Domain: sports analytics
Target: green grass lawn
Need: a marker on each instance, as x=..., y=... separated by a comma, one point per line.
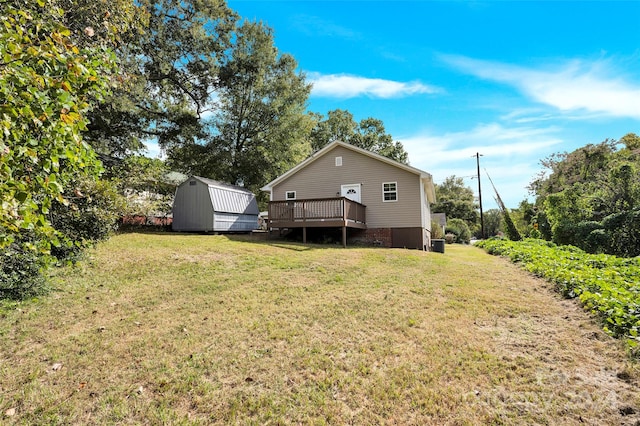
x=194, y=329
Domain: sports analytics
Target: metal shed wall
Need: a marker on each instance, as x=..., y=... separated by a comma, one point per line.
x=234, y=210
x=204, y=205
x=192, y=207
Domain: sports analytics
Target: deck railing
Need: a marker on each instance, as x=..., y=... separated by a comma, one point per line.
x=288, y=213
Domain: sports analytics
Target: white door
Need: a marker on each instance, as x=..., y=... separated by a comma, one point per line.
x=351, y=192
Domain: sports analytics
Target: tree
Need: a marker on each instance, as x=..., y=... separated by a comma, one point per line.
x=523, y=217
x=339, y=126
x=493, y=222
x=563, y=170
x=89, y=214
x=47, y=86
x=372, y=136
x=45, y=83
x=107, y=23
x=261, y=128
x=460, y=229
x=169, y=77
x=590, y=196
x=456, y=200
x=146, y=185
x=369, y=134
x=631, y=142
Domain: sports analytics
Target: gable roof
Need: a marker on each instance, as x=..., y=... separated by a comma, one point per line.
x=229, y=198
x=217, y=183
x=424, y=176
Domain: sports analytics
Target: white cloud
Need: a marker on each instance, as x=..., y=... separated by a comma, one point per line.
x=573, y=86
x=350, y=86
x=509, y=155
x=489, y=139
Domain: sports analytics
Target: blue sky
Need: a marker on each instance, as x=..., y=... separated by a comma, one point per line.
x=515, y=81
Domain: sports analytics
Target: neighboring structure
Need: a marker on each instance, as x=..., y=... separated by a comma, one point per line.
x=440, y=219
x=205, y=205
x=373, y=199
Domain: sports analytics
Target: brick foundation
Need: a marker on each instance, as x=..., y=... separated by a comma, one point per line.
x=373, y=236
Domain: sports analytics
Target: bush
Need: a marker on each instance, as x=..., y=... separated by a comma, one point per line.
x=22, y=272
x=460, y=229
x=623, y=231
x=436, y=230
x=90, y=216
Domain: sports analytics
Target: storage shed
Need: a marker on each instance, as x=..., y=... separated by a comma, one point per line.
x=205, y=205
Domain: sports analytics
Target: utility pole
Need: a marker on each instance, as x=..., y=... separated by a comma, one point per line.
x=480, y=195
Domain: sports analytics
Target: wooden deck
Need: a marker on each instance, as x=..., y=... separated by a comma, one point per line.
x=318, y=213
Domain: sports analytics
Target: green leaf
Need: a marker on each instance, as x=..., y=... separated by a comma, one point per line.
x=21, y=196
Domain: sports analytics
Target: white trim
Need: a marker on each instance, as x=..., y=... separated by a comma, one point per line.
x=359, y=185
x=389, y=192
x=286, y=195
x=424, y=205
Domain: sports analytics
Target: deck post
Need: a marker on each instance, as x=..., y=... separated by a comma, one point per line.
x=304, y=235
x=344, y=236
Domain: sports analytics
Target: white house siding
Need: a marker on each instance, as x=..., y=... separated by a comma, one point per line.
x=323, y=179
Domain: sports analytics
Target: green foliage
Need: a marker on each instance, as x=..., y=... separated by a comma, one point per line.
x=169, y=76
x=588, y=197
x=372, y=136
x=146, y=185
x=523, y=218
x=606, y=285
x=460, y=229
x=622, y=232
x=456, y=200
x=89, y=216
x=564, y=170
x=369, y=134
x=22, y=270
x=436, y=230
x=543, y=226
x=47, y=85
x=338, y=126
x=261, y=128
x=111, y=23
x=492, y=223
x=510, y=228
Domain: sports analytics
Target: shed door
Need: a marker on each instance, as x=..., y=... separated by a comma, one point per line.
x=351, y=191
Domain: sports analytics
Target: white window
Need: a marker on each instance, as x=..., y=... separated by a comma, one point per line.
x=338, y=161
x=290, y=195
x=389, y=191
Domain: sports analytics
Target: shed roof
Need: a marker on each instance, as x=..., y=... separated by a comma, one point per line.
x=230, y=198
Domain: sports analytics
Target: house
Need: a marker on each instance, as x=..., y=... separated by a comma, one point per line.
x=440, y=219
x=372, y=198
x=205, y=205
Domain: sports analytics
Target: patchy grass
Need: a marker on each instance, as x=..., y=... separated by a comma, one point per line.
x=189, y=329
